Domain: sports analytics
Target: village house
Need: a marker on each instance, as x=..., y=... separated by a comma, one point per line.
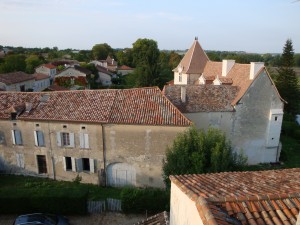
x=109, y=63
x=124, y=70
x=47, y=69
x=113, y=137
x=240, y=99
x=17, y=81
x=42, y=82
x=236, y=198
x=105, y=76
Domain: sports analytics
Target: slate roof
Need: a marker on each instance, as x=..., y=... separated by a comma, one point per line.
x=202, y=98
x=254, y=198
x=158, y=219
x=144, y=106
x=194, y=60
x=15, y=77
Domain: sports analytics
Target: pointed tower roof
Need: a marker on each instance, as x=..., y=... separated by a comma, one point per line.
x=194, y=60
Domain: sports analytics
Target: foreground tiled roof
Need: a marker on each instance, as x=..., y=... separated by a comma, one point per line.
x=15, y=77
x=260, y=197
x=194, y=60
x=158, y=219
x=145, y=106
x=202, y=98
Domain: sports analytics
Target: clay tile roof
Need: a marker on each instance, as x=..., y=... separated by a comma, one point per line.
x=124, y=67
x=194, y=60
x=15, y=77
x=133, y=106
x=55, y=87
x=49, y=66
x=158, y=219
x=256, y=197
x=40, y=76
x=213, y=98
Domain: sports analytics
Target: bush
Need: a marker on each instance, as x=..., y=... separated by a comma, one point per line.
x=60, y=201
x=152, y=200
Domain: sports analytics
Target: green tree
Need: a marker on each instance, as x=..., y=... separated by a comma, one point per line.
x=286, y=82
x=196, y=151
x=32, y=62
x=101, y=51
x=146, y=59
x=124, y=57
x=13, y=63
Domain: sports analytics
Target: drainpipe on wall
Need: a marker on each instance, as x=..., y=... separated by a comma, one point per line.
x=51, y=154
x=103, y=171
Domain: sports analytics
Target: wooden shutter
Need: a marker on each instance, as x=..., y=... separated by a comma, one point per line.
x=81, y=140
x=13, y=137
x=64, y=163
x=72, y=141
x=73, y=160
x=79, y=165
x=92, y=165
x=86, y=141
x=58, y=139
x=35, y=138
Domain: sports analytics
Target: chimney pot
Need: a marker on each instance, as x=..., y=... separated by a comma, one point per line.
x=227, y=66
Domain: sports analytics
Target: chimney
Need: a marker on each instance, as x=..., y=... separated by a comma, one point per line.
x=183, y=94
x=254, y=68
x=28, y=106
x=226, y=66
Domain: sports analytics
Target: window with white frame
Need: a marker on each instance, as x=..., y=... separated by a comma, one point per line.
x=84, y=140
x=69, y=164
x=86, y=165
x=39, y=138
x=65, y=139
x=16, y=137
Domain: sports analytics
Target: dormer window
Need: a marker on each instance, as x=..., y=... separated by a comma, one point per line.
x=13, y=116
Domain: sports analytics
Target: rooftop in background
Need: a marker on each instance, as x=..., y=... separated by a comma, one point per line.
x=15, y=77
x=256, y=197
x=40, y=76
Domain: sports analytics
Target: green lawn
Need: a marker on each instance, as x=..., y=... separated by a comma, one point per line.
x=22, y=182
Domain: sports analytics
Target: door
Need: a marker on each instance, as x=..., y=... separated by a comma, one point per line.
x=42, y=164
x=120, y=175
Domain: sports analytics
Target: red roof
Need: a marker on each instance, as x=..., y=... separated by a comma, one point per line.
x=256, y=197
x=40, y=76
x=49, y=66
x=124, y=67
x=144, y=106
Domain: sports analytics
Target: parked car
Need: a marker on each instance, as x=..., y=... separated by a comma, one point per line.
x=41, y=219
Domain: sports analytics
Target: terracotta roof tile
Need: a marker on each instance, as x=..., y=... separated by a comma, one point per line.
x=133, y=106
x=15, y=77
x=194, y=60
x=40, y=76
x=158, y=219
x=49, y=66
x=124, y=67
x=259, y=197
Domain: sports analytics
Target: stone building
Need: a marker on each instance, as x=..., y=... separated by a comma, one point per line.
x=240, y=99
x=118, y=137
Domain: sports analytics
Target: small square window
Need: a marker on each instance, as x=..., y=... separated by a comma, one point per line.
x=37, y=125
x=83, y=128
x=15, y=124
x=276, y=118
x=64, y=126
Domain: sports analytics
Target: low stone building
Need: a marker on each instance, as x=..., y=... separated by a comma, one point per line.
x=118, y=137
x=17, y=81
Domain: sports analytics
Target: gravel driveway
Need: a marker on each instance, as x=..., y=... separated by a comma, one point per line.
x=107, y=218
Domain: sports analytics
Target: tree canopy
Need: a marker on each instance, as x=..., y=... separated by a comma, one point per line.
x=286, y=81
x=197, y=151
x=101, y=51
x=13, y=63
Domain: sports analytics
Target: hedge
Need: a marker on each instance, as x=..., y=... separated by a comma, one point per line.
x=60, y=201
x=152, y=200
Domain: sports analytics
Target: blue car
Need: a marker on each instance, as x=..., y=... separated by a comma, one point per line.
x=41, y=219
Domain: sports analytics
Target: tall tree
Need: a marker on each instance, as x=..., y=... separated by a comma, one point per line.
x=13, y=63
x=286, y=82
x=146, y=59
x=196, y=151
x=32, y=61
x=101, y=51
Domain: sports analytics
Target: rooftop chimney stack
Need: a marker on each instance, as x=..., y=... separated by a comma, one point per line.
x=254, y=68
x=28, y=106
x=227, y=66
x=183, y=94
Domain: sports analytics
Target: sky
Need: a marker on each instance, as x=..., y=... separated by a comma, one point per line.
x=256, y=26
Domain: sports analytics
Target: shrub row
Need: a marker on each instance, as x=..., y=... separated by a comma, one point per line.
x=152, y=200
x=60, y=201
x=291, y=129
